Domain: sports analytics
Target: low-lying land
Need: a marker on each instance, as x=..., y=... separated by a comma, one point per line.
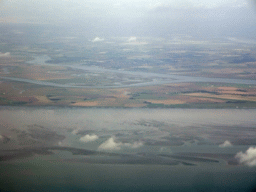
x=149, y=72
x=188, y=95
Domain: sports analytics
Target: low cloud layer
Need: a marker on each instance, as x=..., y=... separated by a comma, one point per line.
x=111, y=144
x=89, y=138
x=226, y=144
x=247, y=158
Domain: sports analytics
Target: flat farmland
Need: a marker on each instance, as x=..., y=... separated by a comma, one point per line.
x=184, y=94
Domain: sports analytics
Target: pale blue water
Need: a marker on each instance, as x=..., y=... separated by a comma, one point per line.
x=54, y=173
x=158, y=78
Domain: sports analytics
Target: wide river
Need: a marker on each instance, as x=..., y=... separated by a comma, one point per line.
x=156, y=77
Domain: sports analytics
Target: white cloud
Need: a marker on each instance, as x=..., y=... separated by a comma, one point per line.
x=111, y=144
x=226, y=144
x=88, y=138
x=97, y=39
x=135, y=145
x=247, y=158
x=7, y=54
x=132, y=39
x=74, y=132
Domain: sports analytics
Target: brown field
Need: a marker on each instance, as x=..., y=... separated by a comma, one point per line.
x=115, y=102
x=170, y=94
x=7, y=61
x=240, y=70
x=120, y=93
x=30, y=99
x=227, y=88
x=18, y=68
x=39, y=73
x=43, y=99
x=224, y=96
x=235, y=91
x=189, y=99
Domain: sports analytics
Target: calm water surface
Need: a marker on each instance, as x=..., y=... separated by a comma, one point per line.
x=51, y=173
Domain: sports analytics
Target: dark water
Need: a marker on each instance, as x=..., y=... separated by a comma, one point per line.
x=38, y=175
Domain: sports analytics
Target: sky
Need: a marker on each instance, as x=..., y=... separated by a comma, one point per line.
x=48, y=11
x=154, y=17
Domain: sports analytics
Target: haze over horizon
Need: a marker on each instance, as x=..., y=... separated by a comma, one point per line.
x=159, y=18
